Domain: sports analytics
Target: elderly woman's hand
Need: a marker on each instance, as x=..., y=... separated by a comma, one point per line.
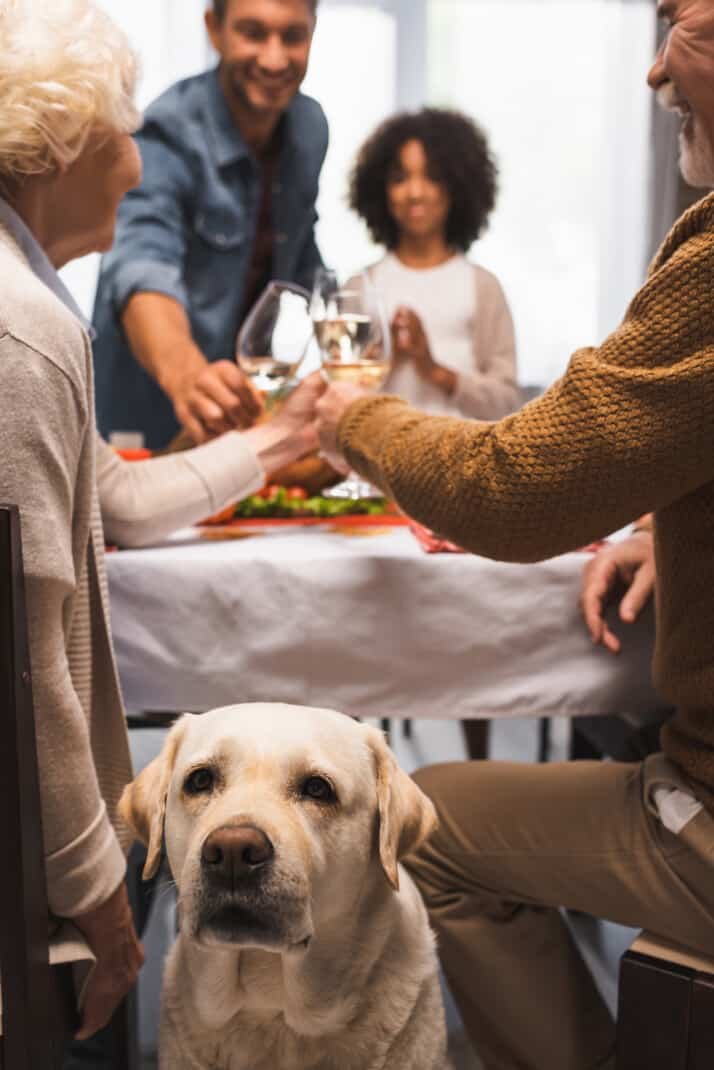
x=291, y=432
x=109, y=931
x=298, y=411
x=330, y=409
x=630, y=563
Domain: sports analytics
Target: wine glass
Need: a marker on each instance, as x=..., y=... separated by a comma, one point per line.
x=274, y=338
x=354, y=339
x=351, y=331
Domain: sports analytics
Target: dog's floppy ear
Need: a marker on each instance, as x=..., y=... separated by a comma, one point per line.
x=406, y=816
x=142, y=805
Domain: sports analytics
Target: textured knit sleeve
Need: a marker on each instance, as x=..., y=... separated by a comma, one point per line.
x=143, y=501
x=628, y=429
x=42, y=435
x=490, y=390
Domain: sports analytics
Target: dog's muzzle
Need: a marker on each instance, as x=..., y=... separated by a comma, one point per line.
x=243, y=899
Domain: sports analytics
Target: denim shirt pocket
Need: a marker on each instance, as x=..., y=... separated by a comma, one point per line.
x=218, y=259
x=223, y=229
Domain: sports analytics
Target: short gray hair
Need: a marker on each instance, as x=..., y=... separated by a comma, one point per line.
x=66, y=71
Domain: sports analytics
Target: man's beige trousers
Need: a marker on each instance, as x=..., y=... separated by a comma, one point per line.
x=515, y=843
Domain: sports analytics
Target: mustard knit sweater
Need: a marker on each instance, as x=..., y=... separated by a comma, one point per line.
x=628, y=429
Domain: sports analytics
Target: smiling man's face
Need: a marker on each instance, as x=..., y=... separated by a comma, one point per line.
x=264, y=47
x=683, y=76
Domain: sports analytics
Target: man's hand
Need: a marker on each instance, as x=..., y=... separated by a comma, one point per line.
x=630, y=562
x=219, y=398
x=109, y=931
x=330, y=409
x=410, y=343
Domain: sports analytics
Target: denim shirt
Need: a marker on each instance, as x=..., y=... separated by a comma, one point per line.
x=187, y=232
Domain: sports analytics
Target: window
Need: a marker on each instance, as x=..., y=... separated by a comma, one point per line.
x=560, y=89
x=356, y=86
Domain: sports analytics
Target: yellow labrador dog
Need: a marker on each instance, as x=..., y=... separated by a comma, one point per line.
x=303, y=944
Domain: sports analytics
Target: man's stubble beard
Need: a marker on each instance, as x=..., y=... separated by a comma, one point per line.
x=242, y=98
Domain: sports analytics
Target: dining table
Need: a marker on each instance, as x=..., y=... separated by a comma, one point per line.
x=366, y=622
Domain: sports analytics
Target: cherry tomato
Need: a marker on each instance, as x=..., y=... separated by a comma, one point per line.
x=222, y=516
x=297, y=494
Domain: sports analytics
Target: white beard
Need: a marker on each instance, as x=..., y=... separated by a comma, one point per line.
x=696, y=160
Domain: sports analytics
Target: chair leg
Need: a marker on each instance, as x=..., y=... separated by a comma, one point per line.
x=701, y=1024
x=407, y=728
x=386, y=725
x=476, y=735
x=544, y=733
x=125, y=1028
x=581, y=749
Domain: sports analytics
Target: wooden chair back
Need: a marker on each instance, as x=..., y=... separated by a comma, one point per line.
x=37, y=1002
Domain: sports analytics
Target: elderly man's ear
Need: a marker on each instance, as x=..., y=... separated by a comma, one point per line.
x=406, y=816
x=142, y=805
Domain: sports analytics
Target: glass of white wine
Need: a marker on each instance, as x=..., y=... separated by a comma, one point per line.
x=355, y=346
x=351, y=332
x=274, y=338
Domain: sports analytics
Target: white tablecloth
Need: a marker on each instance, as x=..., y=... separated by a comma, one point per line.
x=370, y=625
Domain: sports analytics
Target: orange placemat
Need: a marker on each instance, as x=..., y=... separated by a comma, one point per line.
x=256, y=525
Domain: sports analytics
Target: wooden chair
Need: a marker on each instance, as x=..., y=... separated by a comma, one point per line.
x=37, y=1001
x=666, y=1008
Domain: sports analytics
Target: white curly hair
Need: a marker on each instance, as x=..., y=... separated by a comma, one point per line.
x=66, y=71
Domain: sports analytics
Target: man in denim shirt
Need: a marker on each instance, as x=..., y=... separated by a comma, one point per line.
x=232, y=160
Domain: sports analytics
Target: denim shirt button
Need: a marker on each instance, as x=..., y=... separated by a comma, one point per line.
x=221, y=239
x=281, y=238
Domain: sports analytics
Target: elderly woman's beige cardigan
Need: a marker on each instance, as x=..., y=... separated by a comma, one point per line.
x=50, y=461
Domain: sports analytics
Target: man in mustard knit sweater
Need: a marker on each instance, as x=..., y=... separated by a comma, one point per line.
x=628, y=429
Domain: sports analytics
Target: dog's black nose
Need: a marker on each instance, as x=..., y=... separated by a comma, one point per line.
x=232, y=853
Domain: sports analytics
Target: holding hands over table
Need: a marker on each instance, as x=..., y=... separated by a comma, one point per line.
x=629, y=563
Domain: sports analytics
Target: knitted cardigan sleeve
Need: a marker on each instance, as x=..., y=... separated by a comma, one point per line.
x=42, y=435
x=628, y=429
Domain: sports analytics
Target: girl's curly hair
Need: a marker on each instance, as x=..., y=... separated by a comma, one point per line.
x=459, y=158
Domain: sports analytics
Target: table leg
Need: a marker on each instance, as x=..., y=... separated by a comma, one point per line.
x=476, y=738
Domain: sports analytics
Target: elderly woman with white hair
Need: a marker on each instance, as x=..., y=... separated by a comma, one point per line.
x=66, y=159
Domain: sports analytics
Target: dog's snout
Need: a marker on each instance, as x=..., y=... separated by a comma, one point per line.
x=235, y=852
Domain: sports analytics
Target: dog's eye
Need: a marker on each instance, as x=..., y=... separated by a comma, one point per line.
x=319, y=789
x=199, y=782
